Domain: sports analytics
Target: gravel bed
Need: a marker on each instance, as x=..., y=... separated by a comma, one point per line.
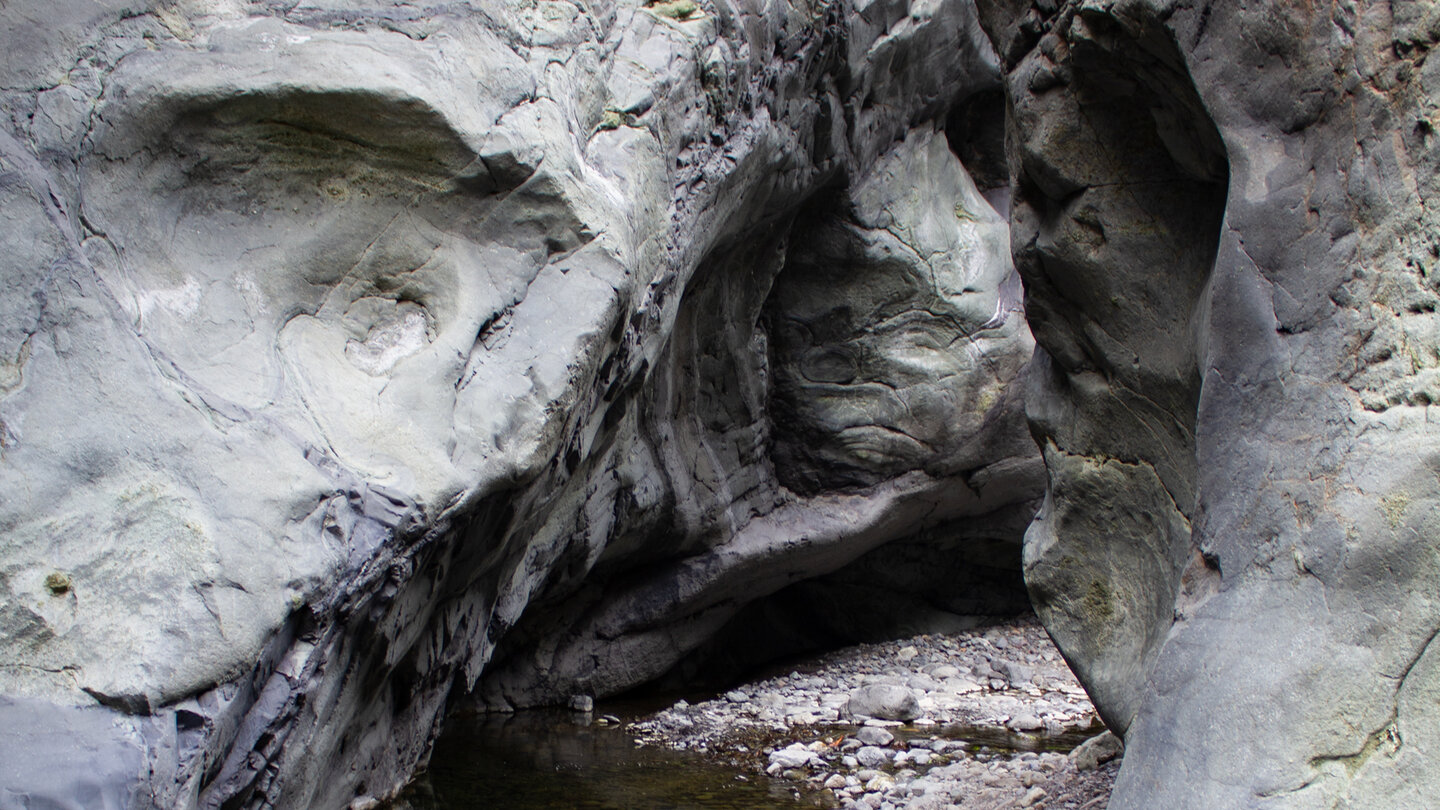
x=989, y=718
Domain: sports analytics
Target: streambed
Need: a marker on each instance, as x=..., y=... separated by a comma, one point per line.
x=562, y=760
x=997, y=714
x=557, y=759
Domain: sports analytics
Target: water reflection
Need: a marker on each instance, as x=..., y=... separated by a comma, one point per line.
x=1004, y=741
x=557, y=759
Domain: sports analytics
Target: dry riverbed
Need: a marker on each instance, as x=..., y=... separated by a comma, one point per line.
x=987, y=719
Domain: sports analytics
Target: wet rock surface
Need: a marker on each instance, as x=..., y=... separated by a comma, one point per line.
x=998, y=718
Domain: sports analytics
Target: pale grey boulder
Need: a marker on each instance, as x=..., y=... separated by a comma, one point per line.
x=883, y=701
x=1222, y=215
x=348, y=348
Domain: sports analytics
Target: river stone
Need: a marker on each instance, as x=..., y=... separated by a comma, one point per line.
x=793, y=756
x=1015, y=674
x=1096, y=751
x=883, y=701
x=922, y=682
x=1032, y=797
x=871, y=735
x=872, y=757
x=1025, y=722
x=882, y=782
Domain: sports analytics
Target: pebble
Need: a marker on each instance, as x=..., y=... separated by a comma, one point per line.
x=871, y=735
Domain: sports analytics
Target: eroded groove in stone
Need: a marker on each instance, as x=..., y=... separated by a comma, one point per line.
x=359, y=361
x=1120, y=189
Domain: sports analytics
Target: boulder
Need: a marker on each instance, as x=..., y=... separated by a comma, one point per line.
x=883, y=701
x=1096, y=751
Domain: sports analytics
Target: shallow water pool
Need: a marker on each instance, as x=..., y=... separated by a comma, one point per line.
x=549, y=760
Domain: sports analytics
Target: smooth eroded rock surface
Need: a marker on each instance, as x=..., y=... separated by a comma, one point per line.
x=1222, y=219
x=358, y=360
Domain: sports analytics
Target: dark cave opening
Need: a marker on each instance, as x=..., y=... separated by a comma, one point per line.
x=940, y=581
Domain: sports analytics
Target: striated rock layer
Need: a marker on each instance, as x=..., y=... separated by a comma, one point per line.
x=358, y=358
x=1222, y=219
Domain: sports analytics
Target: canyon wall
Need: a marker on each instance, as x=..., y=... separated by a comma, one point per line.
x=1222, y=223
x=358, y=360
x=361, y=360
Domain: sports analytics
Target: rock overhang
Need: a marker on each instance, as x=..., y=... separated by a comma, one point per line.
x=457, y=400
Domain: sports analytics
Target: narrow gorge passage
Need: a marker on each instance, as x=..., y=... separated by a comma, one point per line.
x=364, y=364
x=980, y=717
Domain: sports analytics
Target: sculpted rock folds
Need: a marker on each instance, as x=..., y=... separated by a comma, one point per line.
x=358, y=360
x=355, y=361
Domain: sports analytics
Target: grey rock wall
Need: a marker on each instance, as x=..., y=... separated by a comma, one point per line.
x=1222, y=218
x=357, y=359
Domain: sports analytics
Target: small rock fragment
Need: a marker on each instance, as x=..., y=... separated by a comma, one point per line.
x=1034, y=795
x=1097, y=750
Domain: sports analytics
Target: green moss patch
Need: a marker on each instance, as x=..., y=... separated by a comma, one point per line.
x=675, y=9
x=58, y=583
